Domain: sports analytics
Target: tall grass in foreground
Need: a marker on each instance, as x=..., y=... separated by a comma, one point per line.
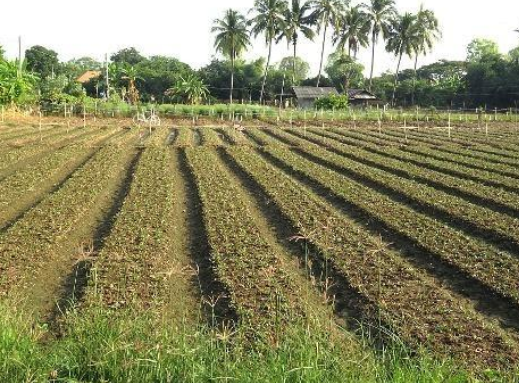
x=103, y=346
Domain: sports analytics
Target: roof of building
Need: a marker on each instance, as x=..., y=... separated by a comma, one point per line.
x=311, y=92
x=88, y=75
x=360, y=94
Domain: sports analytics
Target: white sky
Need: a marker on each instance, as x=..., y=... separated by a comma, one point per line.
x=182, y=28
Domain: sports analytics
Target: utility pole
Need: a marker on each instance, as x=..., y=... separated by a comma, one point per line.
x=20, y=63
x=107, y=79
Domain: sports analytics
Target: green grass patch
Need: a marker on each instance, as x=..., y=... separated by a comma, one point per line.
x=106, y=346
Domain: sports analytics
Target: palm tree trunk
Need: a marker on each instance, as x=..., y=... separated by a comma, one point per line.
x=414, y=79
x=294, y=64
x=266, y=72
x=322, y=54
x=396, y=78
x=232, y=78
x=373, y=41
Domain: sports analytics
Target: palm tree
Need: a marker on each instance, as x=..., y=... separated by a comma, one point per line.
x=191, y=89
x=232, y=38
x=15, y=85
x=427, y=32
x=379, y=14
x=401, y=40
x=352, y=31
x=268, y=20
x=327, y=13
x=298, y=19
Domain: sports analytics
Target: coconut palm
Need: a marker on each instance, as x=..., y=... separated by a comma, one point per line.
x=327, y=12
x=232, y=39
x=298, y=19
x=352, y=30
x=427, y=32
x=268, y=21
x=379, y=14
x=401, y=40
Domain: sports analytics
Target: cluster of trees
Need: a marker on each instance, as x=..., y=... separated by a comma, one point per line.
x=486, y=77
x=352, y=27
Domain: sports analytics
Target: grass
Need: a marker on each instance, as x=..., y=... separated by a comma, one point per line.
x=107, y=346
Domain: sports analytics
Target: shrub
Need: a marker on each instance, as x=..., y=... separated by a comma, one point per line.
x=332, y=102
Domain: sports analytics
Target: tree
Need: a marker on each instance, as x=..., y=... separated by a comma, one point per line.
x=268, y=20
x=130, y=74
x=2, y=53
x=301, y=67
x=129, y=56
x=42, y=61
x=327, y=12
x=401, y=40
x=480, y=49
x=344, y=71
x=16, y=87
x=427, y=32
x=191, y=89
x=232, y=39
x=298, y=19
x=379, y=14
x=352, y=31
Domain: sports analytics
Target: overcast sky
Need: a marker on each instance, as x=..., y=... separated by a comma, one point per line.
x=182, y=28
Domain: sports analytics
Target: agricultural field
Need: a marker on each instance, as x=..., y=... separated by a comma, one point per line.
x=313, y=251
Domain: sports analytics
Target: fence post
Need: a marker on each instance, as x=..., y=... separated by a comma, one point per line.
x=40, y=126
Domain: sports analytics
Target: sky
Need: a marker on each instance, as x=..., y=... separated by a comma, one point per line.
x=182, y=29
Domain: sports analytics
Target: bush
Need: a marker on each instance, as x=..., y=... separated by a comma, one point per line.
x=332, y=102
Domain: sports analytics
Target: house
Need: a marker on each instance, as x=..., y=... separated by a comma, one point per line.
x=306, y=95
x=88, y=76
x=361, y=97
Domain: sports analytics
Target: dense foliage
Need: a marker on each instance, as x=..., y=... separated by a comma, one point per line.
x=487, y=78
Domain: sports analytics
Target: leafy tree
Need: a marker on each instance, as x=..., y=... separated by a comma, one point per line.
x=401, y=40
x=298, y=19
x=232, y=39
x=352, y=31
x=481, y=49
x=2, y=53
x=379, y=14
x=328, y=13
x=344, y=71
x=268, y=21
x=129, y=56
x=514, y=55
x=247, y=78
x=302, y=68
x=42, y=61
x=160, y=73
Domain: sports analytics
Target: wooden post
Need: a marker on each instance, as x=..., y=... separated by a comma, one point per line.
x=495, y=114
x=84, y=116
x=379, y=127
x=68, y=125
x=486, y=130
x=41, y=137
